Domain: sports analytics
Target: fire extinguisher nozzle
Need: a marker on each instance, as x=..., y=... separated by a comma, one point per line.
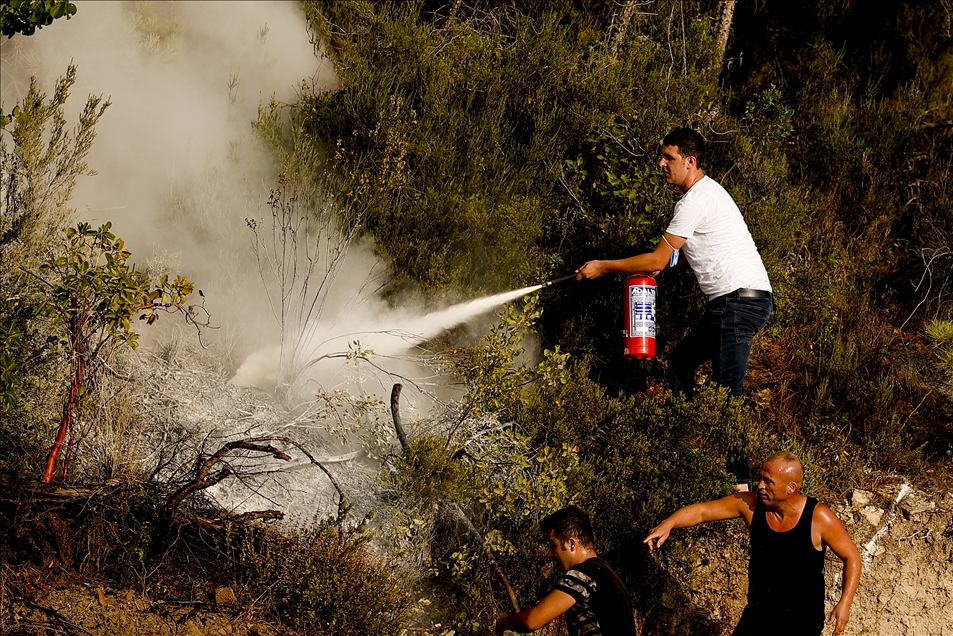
x=550, y=283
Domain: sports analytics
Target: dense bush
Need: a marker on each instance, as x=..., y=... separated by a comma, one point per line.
x=477, y=483
x=479, y=115
x=525, y=142
x=516, y=143
x=325, y=579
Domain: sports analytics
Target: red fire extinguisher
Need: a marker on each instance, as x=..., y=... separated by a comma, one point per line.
x=639, y=335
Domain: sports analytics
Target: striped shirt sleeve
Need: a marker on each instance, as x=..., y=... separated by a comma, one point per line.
x=577, y=585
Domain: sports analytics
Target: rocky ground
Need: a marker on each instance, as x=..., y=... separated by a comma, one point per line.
x=906, y=539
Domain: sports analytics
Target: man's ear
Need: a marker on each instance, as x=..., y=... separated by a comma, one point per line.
x=572, y=544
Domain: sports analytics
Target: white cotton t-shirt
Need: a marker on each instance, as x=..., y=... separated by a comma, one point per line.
x=718, y=245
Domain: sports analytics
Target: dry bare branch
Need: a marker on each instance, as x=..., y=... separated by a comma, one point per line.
x=268, y=515
x=203, y=480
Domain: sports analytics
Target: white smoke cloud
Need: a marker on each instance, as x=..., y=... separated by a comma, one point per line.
x=178, y=164
x=179, y=170
x=179, y=167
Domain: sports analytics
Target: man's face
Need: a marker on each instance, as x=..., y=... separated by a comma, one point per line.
x=559, y=551
x=674, y=165
x=774, y=485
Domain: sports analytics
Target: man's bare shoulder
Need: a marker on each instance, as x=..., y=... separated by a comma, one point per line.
x=745, y=499
x=826, y=517
x=743, y=503
x=827, y=528
x=737, y=500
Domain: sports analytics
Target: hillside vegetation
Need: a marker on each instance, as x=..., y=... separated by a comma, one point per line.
x=483, y=146
x=513, y=146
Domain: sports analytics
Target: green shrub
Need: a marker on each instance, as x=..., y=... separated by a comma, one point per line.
x=326, y=579
x=40, y=162
x=429, y=473
x=534, y=439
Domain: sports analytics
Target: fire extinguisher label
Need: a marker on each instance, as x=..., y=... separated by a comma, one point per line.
x=642, y=311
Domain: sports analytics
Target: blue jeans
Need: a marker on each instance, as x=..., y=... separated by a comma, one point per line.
x=723, y=336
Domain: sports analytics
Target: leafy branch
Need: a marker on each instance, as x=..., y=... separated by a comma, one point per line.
x=91, y=295
x=26, y=16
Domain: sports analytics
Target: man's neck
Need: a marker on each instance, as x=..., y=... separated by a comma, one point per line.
x=792, y=507
x=583, y=555
x=694, y=178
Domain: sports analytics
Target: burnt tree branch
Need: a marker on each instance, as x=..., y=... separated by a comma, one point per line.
x=395, y=413
x=203, y=480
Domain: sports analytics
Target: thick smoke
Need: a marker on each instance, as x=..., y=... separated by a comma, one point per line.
x=180, y=169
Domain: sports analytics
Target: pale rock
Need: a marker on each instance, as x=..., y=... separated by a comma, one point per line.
x=892, y=491
x=873, y=515
x=192, y=629
x=860, y=498
x=916, y=502
x=225, y=596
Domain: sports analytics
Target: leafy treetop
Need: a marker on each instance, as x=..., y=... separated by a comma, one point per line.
x=26, y=16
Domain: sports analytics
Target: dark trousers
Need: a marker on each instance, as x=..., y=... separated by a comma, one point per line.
x=723, y=336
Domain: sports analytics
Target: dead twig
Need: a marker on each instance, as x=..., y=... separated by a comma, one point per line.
x=259, y=515
x=203, y=480
x=342, y=506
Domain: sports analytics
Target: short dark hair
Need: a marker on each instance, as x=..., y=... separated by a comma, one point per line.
x=569, y=522
x=690, y=143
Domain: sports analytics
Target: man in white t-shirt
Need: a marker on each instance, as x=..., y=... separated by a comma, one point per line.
x=708, y=232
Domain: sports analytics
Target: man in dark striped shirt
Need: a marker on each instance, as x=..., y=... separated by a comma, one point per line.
x=589, y=592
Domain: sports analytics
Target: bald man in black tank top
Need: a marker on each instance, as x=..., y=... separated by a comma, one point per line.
x=789, y=536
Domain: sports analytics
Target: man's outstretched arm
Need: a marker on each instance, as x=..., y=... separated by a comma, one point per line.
x=648, y=263
x=835, y=535
x=730, y=507
x=529, y=620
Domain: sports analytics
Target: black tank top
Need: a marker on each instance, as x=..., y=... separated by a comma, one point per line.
x=786, y=572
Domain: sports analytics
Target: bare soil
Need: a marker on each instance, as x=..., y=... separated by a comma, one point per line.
x=81, y=608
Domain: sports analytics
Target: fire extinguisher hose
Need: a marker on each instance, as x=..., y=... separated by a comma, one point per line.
x=550, y=283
